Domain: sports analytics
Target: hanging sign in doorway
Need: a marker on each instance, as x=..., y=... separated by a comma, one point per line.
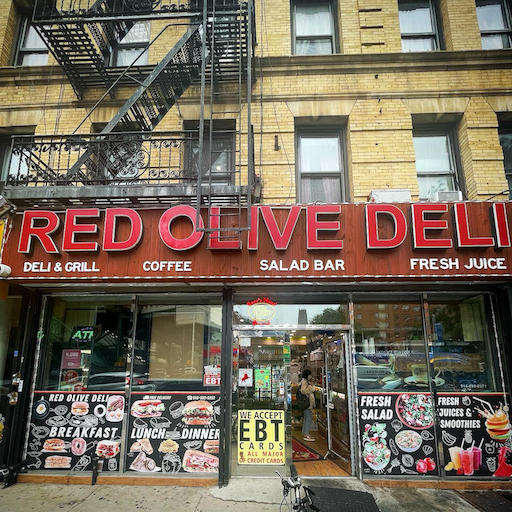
x=261, y=437
x=211, y=375
x=245, y=377
x=262, y=378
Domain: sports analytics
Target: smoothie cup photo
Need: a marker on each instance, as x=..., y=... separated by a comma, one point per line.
x=455, y=456
x=466, y=459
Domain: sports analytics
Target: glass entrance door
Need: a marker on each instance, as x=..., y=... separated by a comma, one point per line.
x=261, y=401
x=268, y=364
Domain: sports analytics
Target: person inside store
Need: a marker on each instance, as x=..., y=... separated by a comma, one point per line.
x=307, y=388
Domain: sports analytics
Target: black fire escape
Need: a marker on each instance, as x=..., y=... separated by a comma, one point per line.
x=126, y=162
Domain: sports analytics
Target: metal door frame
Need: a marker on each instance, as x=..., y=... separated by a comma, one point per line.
x=349, y=349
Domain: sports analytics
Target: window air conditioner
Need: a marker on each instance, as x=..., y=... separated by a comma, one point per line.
x=390, y=195
x=447, y=196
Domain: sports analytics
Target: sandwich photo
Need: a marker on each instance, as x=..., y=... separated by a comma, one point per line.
x=142, y=445
x=143, y=463
x=54, y=445
x=57, y=461
x=147, y=408
x=107, y=449
x=199, y=412
x=79, y=408
x=195, y=461
x=211, y=446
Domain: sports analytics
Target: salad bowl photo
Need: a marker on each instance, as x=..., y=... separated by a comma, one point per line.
x=408, y=441
x=415, y=410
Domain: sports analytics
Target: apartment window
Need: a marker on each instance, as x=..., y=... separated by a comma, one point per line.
x=435, y=162
x=133, y=45
x=218, y=162
x=320, y=168
x=313, y=27
x=506, y=145
x=418, y=26
x=495, y=23
x=32, y=50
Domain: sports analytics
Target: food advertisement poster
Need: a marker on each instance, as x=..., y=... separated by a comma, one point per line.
x=68, y=429
x=261, y=437
x=262, y=378
x=397, y=434
x=173, y=433
x=475, y=433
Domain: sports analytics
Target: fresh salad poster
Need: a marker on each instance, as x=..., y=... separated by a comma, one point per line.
x=475, y=433
x=173, y=433
x=397, y=434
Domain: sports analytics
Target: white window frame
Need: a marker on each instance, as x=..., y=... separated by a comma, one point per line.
x=331, y=36
x=505, y=134
x=505, y=33
x=452, y=149
x=304, y=132
x=433, y=36
x=127, y=46
x=24, y=52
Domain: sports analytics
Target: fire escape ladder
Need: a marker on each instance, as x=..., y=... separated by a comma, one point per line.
x=152, y=100
x=83, y=48
x=224, y=165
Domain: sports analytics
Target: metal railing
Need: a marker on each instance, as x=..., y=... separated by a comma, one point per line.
x=48, y=10
x=134, y=158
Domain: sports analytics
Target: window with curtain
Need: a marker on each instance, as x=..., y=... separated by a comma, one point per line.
x=313, y=29
x=435, y=162
x=133, y=45
x=320, y=167
x=418, y=27
x=495, y=23
x=506, y=145
x=32, y=50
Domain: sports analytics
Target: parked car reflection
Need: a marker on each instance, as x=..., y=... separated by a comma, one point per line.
x=117, y=381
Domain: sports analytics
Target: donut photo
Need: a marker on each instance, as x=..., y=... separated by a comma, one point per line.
x=78, y=446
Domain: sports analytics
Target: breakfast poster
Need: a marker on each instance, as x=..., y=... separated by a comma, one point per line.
x=174, y=432
x=397, y=434
x=475, y=433
x=68, y=429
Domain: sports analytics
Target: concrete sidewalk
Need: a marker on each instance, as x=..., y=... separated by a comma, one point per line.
x=248, y=494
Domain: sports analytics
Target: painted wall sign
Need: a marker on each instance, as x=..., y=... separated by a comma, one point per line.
x=68, y=429
x=348, y=241
x=476, y=434
x=174, y=432
x=397, y=434
x=261, y=437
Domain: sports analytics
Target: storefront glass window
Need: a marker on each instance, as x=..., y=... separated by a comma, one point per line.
x=390, y=354
x=461, y=344
x=177, y=345
x=86, y=345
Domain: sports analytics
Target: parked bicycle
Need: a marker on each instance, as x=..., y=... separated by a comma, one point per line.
x=9, y=474
x=297, y=497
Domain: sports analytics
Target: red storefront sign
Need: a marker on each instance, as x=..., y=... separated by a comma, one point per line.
x=348, y=241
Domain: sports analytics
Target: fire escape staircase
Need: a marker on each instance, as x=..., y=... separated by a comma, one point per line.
x=216, y=48
x=146, y=107
x=82, y=42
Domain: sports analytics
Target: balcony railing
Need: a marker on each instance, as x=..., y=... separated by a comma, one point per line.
x=135, y=164
x=60, y=10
